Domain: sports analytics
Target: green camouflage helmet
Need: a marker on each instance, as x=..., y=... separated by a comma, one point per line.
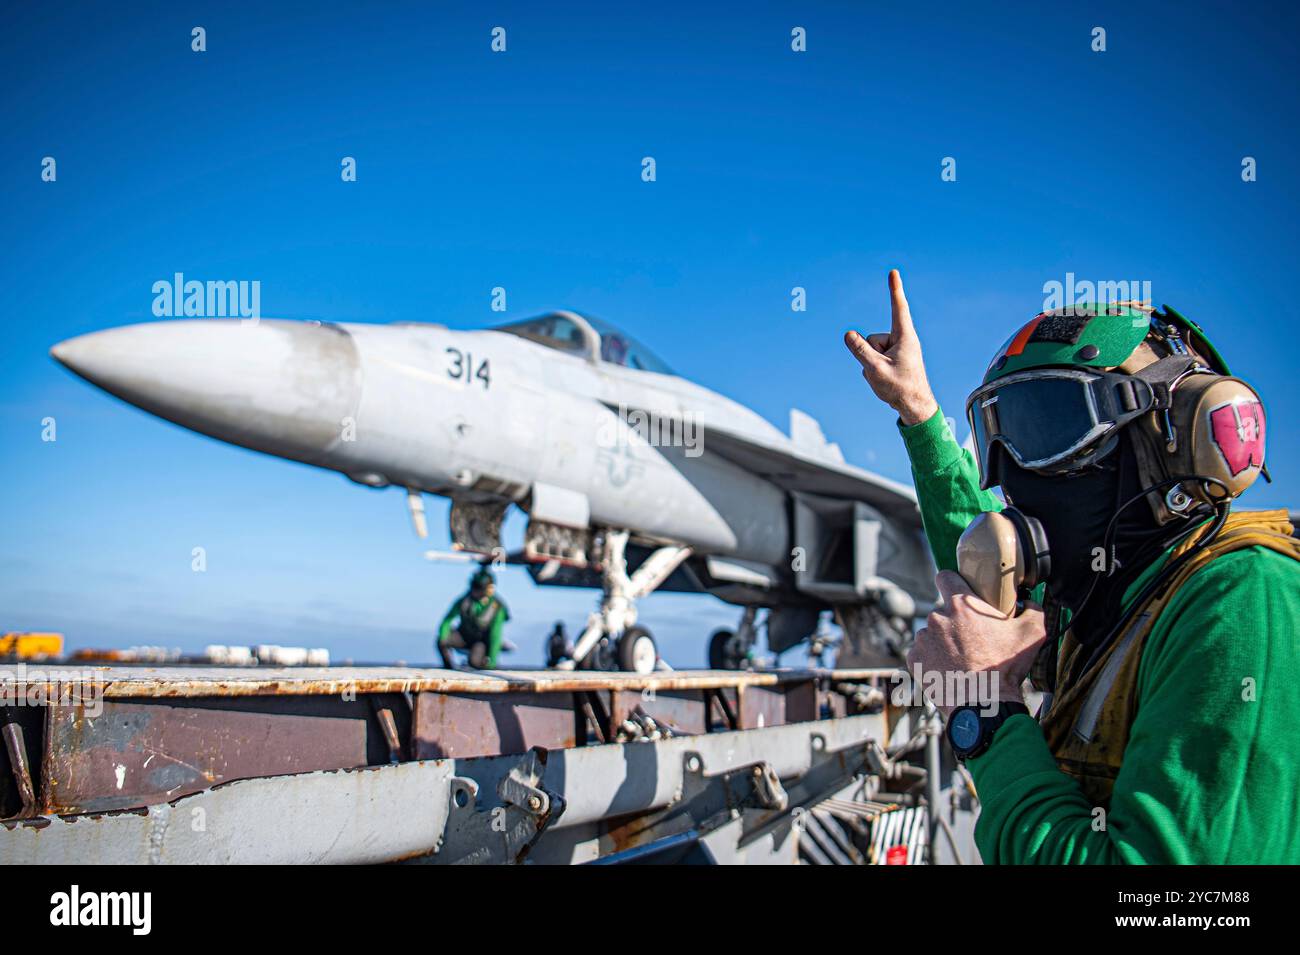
x=1096, y=336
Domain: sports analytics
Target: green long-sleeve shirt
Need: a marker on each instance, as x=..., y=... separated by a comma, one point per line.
x=476, y=609
x=1211, y=773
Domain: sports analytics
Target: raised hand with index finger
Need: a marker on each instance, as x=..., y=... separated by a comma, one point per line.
x=892, y=364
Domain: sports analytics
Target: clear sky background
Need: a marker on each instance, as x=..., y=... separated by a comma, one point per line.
x=775, y=169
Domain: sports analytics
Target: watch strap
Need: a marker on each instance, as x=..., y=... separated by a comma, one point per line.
x=989, y=725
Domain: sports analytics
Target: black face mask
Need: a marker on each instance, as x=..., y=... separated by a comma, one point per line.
x=1075, y=511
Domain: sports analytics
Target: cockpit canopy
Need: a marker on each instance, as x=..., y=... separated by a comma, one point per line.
x=565, y=331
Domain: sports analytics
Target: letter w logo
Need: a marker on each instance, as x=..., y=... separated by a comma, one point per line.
x=1238, y=430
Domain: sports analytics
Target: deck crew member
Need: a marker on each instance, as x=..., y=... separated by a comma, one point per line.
x=1164, y=629
x=474, y=623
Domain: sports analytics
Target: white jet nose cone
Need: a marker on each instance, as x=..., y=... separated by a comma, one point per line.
x=280, y=387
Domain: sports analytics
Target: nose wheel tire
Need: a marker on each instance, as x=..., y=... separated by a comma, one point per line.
x=637, y=651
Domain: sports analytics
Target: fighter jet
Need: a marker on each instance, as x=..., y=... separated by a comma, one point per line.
x=633, y=479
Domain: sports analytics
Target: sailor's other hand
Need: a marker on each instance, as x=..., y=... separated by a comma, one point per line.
x=965, y=636
x=892, y=364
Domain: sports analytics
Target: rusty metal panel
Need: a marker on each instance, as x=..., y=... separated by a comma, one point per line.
x=762, y=706
x=140, y=753
x=801, y=702
x=489, y=724
x=790, y=702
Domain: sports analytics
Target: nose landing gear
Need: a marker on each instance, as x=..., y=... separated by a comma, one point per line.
x=611, y=640
x=637, y=651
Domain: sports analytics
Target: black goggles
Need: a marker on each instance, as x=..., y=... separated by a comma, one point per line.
x=1053, y=420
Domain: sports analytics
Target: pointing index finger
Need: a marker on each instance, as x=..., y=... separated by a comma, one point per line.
x=902, y=315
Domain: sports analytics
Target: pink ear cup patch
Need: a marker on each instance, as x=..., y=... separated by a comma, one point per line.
x=1238, y=431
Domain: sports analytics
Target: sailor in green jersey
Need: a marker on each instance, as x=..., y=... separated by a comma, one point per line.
x=474, y=623
x=1165, y=631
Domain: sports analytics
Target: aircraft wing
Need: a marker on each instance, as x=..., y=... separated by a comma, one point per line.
x=795, y=470
x=805, y=463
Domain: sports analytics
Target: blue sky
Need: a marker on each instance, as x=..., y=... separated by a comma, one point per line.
x=775, y=169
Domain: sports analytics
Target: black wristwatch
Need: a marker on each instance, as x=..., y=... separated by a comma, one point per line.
x=970, y=729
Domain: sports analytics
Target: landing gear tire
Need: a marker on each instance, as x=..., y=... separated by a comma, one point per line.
x=637, y=651
x=725, y=652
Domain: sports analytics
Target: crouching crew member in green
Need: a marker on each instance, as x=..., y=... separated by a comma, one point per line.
x=474, y=624
x=1163, y=627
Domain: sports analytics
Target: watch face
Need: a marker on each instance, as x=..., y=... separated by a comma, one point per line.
x=964, y=728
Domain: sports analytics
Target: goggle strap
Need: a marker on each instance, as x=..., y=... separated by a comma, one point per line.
x=1163, y=374
x=1128, y=395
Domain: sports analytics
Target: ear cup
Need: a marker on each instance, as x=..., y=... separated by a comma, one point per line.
x=1001, y=552
x=991, y=559
x=1033, y=545
x=1219, y=431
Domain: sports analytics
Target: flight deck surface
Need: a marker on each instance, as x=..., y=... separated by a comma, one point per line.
x=121, y=682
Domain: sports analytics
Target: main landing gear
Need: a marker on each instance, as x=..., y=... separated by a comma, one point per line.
x=733, y=649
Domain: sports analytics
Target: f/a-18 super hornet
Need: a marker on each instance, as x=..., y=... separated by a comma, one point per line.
x=633, y=479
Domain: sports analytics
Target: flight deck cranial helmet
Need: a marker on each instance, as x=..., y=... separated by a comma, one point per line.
x=1059, y=392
